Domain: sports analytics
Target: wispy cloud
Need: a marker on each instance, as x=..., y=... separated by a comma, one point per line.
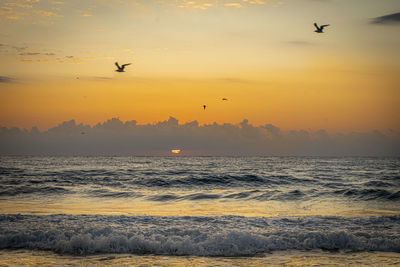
x=26, y=9
x=47, y=14
x=9, y=13
x=4, y=79
x=233, y=4
x=57, y=2
x=200, y=4
x=300, y=43
x=234, y=80
x=128, y=50
x=36, y=54
x=49, y=57
x=387, y=19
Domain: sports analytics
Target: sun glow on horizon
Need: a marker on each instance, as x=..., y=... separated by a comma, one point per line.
x=175, y=151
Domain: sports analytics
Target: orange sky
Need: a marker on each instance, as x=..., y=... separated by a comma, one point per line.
x=261, y=55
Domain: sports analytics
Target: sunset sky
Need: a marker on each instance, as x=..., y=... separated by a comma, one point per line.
x=57, y=62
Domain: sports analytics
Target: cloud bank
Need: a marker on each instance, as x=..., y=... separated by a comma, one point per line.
x=115, y=137
x=388, y=19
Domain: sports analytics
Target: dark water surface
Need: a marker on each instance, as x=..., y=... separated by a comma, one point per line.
x=199, y=206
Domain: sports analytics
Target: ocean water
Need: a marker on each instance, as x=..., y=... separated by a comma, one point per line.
x=199, y=211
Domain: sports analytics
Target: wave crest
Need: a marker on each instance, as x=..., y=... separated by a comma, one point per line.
x=199, y=236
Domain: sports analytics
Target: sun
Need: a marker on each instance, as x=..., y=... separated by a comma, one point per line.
x=175, y=151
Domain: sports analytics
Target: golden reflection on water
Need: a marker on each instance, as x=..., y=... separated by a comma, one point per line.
x=138, y=206
x=286, y=258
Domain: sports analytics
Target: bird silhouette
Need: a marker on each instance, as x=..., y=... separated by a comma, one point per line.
x=224, y=99
x=204, y=107
x=121, y=68
x=320, y=29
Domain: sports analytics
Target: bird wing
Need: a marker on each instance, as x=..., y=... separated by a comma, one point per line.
x=116, y=64
x=316, y=26
x=322, y=26
x=123, y=66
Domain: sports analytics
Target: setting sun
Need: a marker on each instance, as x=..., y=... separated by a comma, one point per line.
x=175, y=151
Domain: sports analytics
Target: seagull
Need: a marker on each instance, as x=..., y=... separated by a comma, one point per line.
x=320, y=29
x=121, y=68
x=224, y=99
x=204, y=107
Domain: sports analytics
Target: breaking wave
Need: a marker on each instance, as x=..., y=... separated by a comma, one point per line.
x=201, y=236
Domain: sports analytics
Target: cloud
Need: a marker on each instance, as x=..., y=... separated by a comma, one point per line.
x=115, y=137
x=50, y=59
x=20, y=48
x=18, y=9
x=48, y=14
x=234, y=80
x=29, y=54
x=56, y=2
x=204, y=5
x=36, y=54
x=4, y=79
x=388, y=19
x=300, y=43
x=9, y=13
x=102, y=78
x=233, y=4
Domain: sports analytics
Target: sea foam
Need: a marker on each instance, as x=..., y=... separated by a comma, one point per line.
x=200, y=236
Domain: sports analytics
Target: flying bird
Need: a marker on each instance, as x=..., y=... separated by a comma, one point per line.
x=204, y=107
x=224, y=99
x=121, y=68
x=320, y=29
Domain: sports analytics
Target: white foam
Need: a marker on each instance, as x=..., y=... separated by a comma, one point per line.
x=202, y=236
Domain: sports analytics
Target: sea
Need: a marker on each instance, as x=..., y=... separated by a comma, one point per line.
x=199, y=211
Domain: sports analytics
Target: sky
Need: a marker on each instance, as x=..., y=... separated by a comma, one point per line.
x=57, y=63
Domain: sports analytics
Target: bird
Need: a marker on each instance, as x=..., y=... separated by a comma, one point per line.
x=204, y=107
x=320, y=29
x=224, y=99
x=121, y=68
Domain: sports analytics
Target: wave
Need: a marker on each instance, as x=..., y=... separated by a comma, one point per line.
x=199, y=236
x=45, y=190
x=378, y=184
x=148, y=177
x=370, y=194
x=234, y=179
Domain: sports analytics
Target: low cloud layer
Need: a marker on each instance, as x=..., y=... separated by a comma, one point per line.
x=388, y=19
x=114, y=137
